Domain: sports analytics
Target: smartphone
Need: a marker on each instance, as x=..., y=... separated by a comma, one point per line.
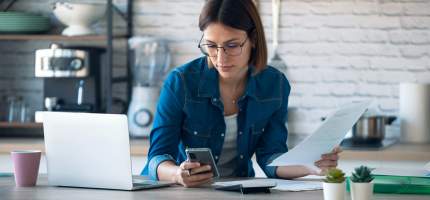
x=204, y=157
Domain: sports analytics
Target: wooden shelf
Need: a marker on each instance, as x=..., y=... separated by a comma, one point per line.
x=20, y=125
x=58, y=37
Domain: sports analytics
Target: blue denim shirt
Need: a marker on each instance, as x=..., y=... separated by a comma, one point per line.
x=190, y=115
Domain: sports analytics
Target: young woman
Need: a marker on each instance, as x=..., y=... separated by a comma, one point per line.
x=229, y=101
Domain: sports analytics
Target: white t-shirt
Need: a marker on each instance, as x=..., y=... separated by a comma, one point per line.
x=227, y=161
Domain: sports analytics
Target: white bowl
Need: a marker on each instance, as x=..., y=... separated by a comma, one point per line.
x=79, y=16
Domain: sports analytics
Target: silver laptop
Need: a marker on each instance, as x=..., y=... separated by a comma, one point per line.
x=90, y=151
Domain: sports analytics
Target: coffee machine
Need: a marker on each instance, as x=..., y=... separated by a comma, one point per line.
x=71, y=77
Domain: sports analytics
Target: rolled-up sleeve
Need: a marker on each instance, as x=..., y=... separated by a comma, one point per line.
x=274, y=141
x=165, y=134
x=154, y=162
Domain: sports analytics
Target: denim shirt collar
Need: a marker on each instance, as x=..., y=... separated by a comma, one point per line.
x=209, y=86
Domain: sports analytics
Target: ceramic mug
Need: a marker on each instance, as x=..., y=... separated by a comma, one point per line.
x=26, y=167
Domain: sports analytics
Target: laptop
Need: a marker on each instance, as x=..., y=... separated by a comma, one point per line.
x=90, y=151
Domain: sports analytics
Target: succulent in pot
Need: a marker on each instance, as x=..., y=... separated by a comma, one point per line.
x=361, y=183
x=334, y=185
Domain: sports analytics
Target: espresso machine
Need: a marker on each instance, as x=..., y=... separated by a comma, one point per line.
x=71, y=77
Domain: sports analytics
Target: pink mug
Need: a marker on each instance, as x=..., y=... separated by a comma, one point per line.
x=26, y=167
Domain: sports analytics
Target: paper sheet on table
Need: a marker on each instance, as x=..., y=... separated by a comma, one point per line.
x=325, y=138
x=282, y=185
x=424, y=172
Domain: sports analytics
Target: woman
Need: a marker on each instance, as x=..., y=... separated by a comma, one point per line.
x=228, y=101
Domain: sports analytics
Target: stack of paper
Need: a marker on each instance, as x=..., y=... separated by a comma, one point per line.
x=282, y=185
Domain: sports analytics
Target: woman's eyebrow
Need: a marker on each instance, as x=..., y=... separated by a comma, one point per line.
x=231, y=40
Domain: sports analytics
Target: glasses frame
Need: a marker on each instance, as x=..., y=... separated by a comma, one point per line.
x=221, y=47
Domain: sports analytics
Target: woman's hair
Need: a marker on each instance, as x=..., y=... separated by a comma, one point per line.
x=238, y=14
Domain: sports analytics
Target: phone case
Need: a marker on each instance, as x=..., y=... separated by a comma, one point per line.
x=203, y=155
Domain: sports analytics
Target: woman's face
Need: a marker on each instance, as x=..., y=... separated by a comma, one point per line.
x=233, y=63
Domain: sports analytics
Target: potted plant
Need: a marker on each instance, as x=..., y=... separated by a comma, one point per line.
x=334, y=185
x=361, y=184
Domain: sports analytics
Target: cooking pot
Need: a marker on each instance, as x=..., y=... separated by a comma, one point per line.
x=371, y=129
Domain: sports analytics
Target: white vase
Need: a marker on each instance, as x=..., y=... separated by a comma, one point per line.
x=334, y=191
x=361, y=191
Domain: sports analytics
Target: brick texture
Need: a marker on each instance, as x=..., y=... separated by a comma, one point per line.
x=336, y=51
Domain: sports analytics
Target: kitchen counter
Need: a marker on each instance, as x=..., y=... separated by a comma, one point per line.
x=139, y=147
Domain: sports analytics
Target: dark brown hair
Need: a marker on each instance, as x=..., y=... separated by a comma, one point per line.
x=238, y=14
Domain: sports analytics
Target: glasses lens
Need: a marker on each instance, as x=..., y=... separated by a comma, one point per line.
x=209, y=50
x=233, y=51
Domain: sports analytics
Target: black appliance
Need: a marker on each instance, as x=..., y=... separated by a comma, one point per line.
x=71, y=77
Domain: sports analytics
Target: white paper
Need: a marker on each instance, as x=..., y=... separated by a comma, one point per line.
x=424, y=172
x=325, y=138
x=296, y=186
x=282, y=185
x=248, y=183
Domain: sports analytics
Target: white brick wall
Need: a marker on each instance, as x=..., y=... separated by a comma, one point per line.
x=336, y=51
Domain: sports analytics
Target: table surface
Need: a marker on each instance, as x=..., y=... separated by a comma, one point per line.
x=8, y=191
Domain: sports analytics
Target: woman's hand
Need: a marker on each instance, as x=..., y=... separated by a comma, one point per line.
x=191, y=174
x=327, y=161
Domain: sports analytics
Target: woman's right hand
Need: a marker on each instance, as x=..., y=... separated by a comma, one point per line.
x=192, y=174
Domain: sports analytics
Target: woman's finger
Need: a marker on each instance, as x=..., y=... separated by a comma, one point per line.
x=199, y=177
x=198, y=183
x=330, y=156
x=337, y=149
x=326, y=163
x=203, y=168
x=189, y=165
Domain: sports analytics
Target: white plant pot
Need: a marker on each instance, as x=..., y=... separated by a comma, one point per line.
x=361, y=191
x=334, y=191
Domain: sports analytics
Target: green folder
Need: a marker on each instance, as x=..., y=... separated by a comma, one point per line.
x=6, y=174
x=400, y=185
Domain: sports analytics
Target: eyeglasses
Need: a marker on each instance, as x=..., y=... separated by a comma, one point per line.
x=230, y=49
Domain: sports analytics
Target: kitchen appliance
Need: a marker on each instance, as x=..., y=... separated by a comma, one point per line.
x=152, y=61
x=79, y=16
x=415, y=112
x=71, y=77
x=369, y=131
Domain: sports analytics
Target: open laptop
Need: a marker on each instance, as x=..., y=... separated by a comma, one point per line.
x=90, y=151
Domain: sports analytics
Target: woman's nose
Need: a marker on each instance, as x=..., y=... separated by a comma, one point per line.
x=221, y=56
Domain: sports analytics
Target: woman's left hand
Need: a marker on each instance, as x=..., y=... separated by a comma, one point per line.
x=328, y=161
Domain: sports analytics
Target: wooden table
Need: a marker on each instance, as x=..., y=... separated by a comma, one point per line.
x=8, y=191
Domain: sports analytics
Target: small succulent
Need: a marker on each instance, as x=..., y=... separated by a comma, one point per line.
x=335, y=175
x=362, y=174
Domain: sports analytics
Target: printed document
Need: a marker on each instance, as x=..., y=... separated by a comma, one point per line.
x=325, y=138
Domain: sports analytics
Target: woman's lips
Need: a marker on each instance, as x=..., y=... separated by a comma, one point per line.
x=225, y=68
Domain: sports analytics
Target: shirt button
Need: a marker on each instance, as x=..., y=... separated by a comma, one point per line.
x=222, y=134
x=216, y=157
x=214, y=99
x=262, y=129
x=241, y=156
x=240, y=132
x=195, y=132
